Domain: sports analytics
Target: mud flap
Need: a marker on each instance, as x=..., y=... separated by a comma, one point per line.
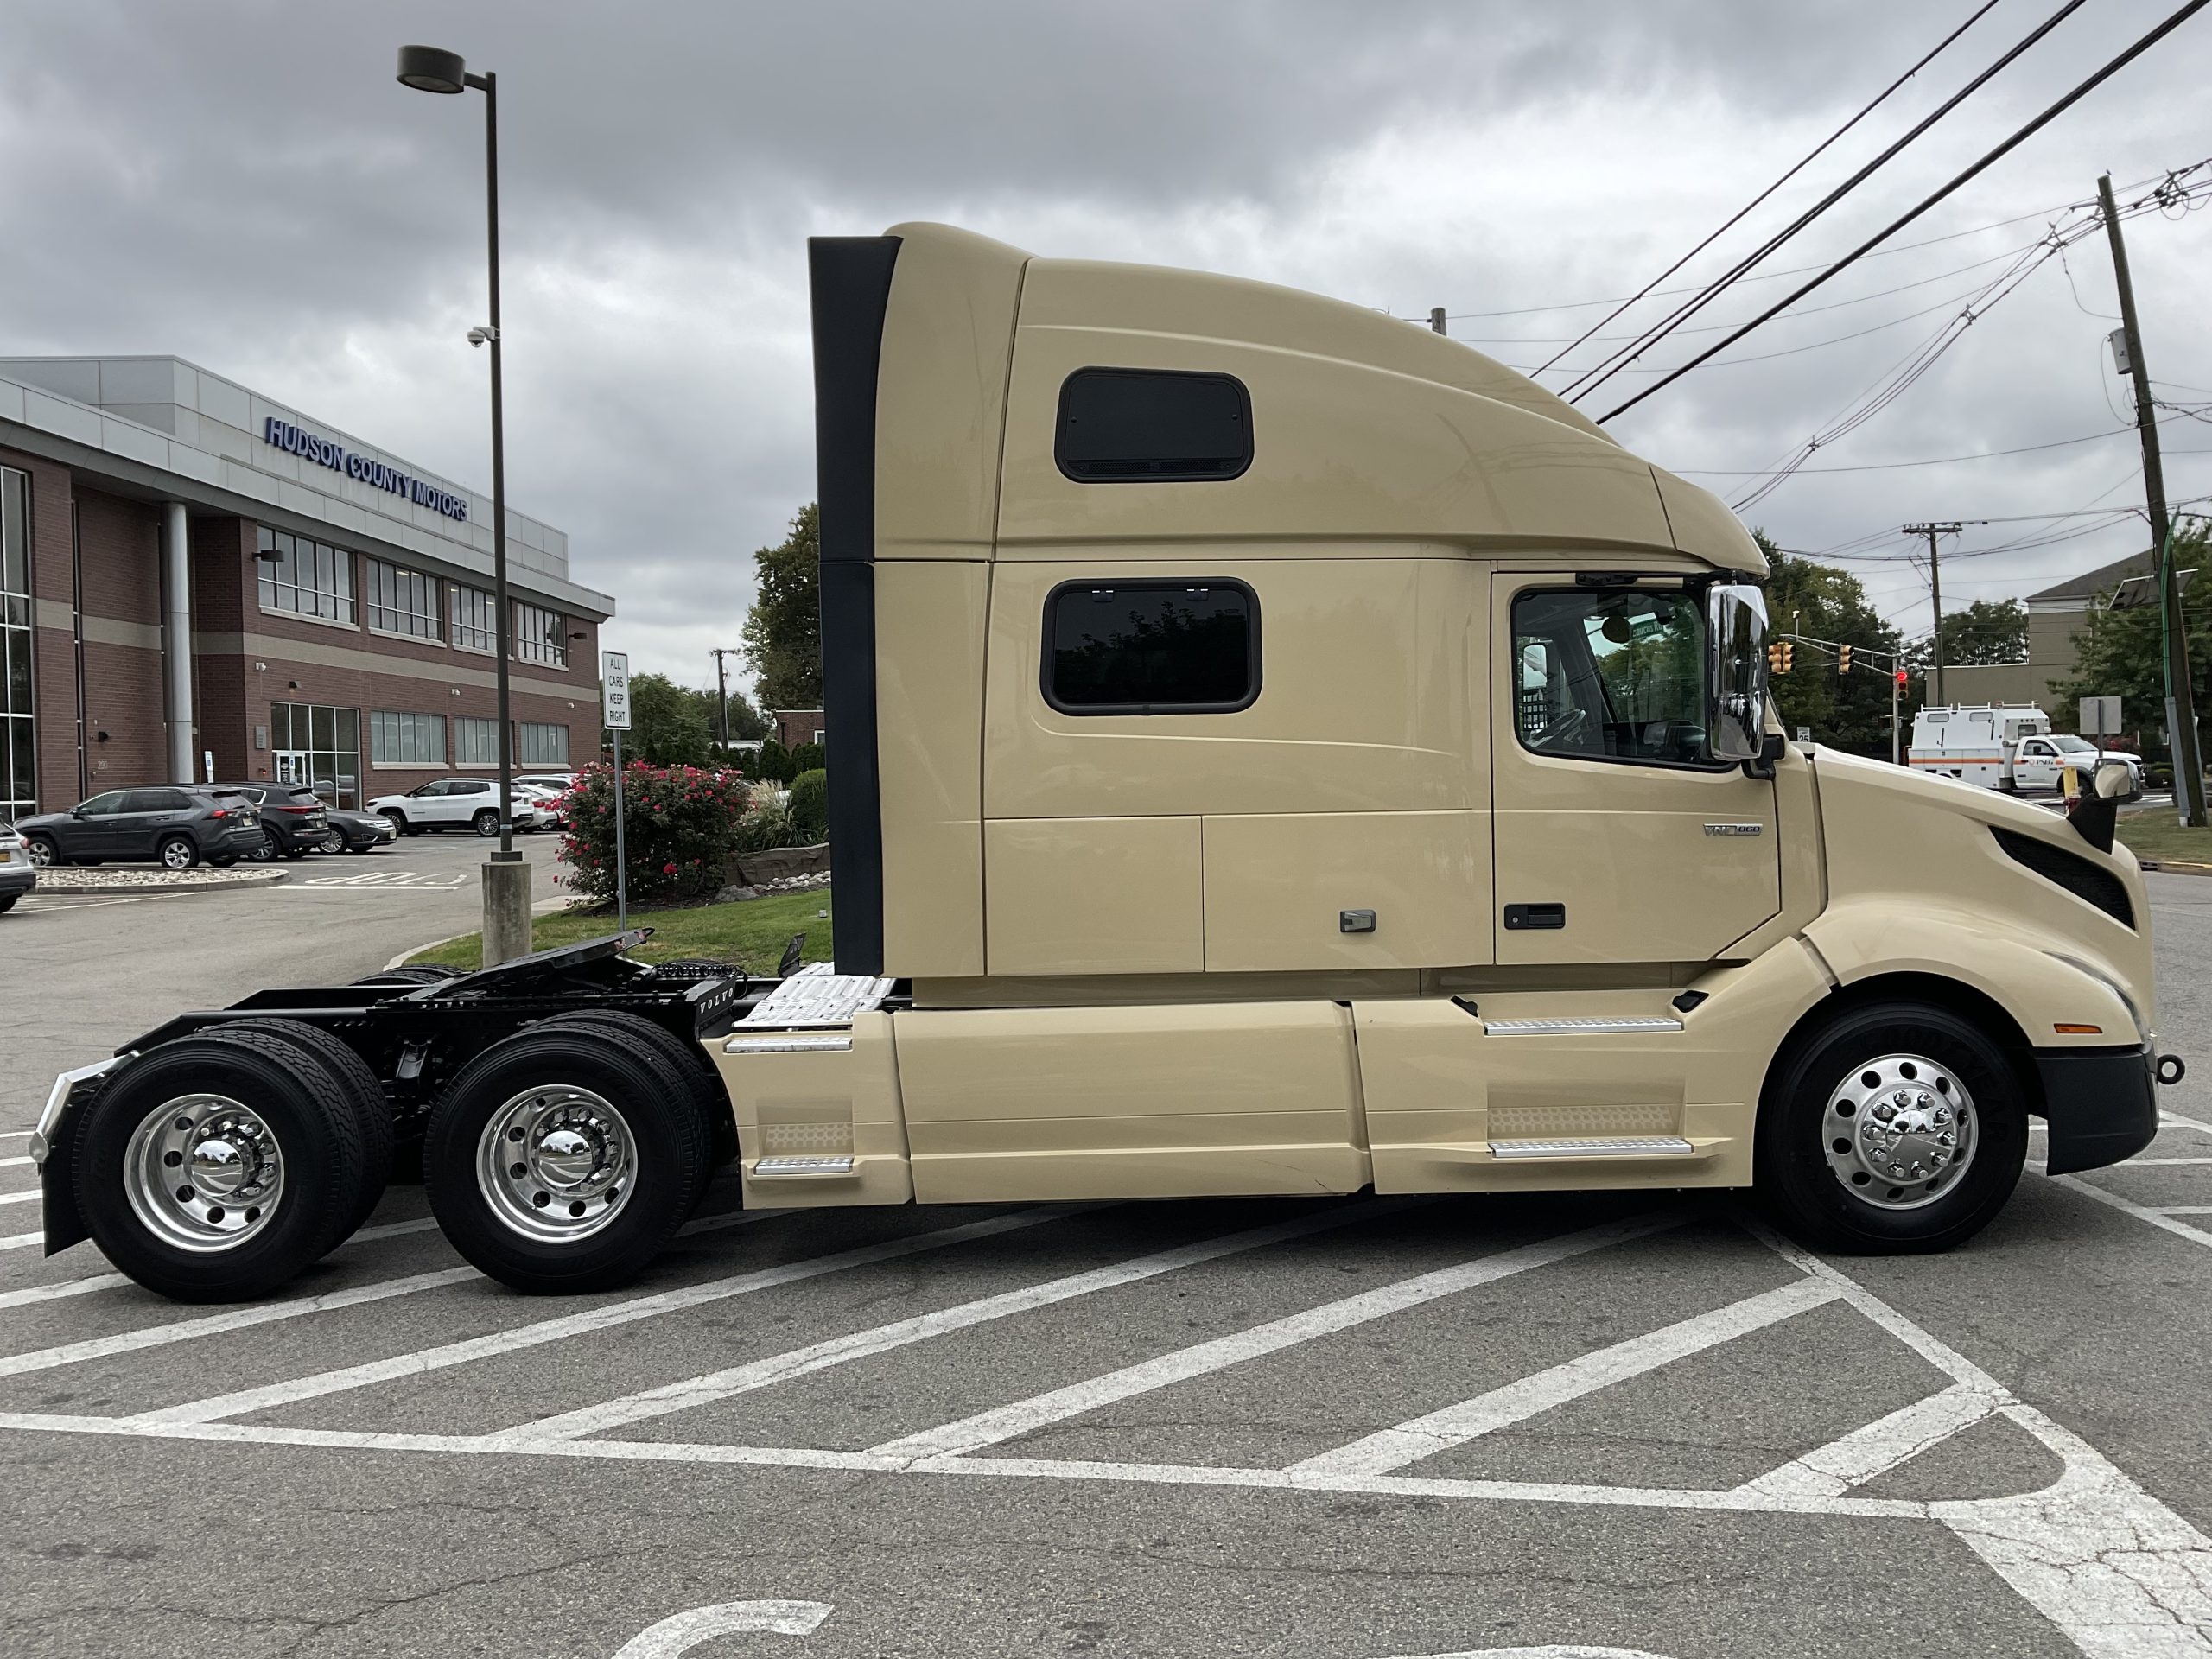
x=2101, y=1105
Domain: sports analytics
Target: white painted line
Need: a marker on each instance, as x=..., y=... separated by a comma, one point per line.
x=675, y=1636
x=66, y=1287
x=21, y=1241
x=394, y=1228
x=2179, y=1121
x=2158, y=1163
x=15, y=1134
x=1392, y=1449
x=597, y=1318
x=2141, y=1213
x=857, y=1344
x=1853, y=1459
x=21, y=1197
x=2121, y=1575
x=1024, y=1416
x=733, y=1218
x=13, y=1163
x=71, y=1353
x=2184, y=1209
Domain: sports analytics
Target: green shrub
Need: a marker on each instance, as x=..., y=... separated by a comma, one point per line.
x=776, y=762
x=766, y=826
x=811, y=805
x=807, y=757
x=680, y=825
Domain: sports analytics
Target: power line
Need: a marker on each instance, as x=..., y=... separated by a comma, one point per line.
x=1972, y=172
x=1586, y=383
x=1737, y=217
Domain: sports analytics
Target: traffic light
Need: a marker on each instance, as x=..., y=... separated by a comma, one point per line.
x=1843, y=659
x=1774, y=657
x=1901, y=678
x=1788, y=652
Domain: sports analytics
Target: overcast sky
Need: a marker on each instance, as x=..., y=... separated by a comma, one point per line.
x=244, y=185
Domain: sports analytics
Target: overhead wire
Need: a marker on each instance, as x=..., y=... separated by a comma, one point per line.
x=1810, y=157
x=2018, y=137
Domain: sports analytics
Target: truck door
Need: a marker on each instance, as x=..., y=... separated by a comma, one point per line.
x=1617, y=838
x=2037, y=765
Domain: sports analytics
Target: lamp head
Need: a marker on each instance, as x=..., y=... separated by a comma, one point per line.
x=431, y=69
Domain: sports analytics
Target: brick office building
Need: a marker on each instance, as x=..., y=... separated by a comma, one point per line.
x=193, y=578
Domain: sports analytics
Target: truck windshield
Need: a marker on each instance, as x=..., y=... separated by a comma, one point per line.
x=2067, y=743
x=1611, y=674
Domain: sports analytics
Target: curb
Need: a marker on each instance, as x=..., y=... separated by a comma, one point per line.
x=2175, y=867
x=400, y=961
x=256, y=878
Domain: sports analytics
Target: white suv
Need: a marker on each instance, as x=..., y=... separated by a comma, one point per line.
x=454, y=804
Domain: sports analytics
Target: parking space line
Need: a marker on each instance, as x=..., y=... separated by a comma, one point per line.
x=1390, y=1449
x=1023, y=1416
x=66, y=1287
x=71, y=1353
x=21, y=1241
x=2183, y=1209
x=20, y=1198
x=1876, y=1448
x=857, y=1344
x=2158, y=1163
x=14, y=1163
x=2140, y=1211
x=597, y=1318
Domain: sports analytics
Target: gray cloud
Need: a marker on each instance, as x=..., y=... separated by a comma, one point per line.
x=245, y=184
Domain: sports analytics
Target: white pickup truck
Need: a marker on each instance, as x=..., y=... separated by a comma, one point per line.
x=2008, y=746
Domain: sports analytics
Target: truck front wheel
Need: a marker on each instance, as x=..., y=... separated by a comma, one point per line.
x=563, y=1160
x=1896, y=1128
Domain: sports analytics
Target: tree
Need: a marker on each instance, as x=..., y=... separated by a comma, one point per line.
x=668, y=722
x=744, y=720
x=1987, y=630
x=783, y=631
x=1846, y=711
x=2121, y=653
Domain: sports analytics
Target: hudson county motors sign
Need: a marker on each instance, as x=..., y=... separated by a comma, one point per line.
x=321, y=451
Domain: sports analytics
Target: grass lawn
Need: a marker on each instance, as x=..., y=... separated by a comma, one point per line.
x=2153, y=834
x=752, y=934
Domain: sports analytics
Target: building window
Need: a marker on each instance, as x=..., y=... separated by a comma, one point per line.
x=1152, y=647
x=475, y=743
x=541, y=636
x=1152, y=426
x=475, y=619
x=543, y=745
x=398, y=739
x=403, y=601
x=300, y=574
x=18, y=753
x=320, y=747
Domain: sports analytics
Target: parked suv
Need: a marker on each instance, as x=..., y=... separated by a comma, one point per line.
x=293, y=824
x=173, y=825
x=18, y=875
x=454, y=804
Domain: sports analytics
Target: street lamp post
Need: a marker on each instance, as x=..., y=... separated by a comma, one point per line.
x=506, y=878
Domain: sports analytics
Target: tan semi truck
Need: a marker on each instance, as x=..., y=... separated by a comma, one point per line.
x=1275, y=750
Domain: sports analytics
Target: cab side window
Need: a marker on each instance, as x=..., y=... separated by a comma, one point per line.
x=1182, y=647
x=1611, y=674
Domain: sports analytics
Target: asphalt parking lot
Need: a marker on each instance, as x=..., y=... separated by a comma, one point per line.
x=1351, y=1430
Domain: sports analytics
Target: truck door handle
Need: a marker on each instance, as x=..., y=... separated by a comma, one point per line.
x=1522, y=918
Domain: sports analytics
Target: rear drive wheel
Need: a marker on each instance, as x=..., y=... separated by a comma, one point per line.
x=44, y=852
x=177, y=853
x=214, y=1167
x=563, y=1160
x=363, y=1095
x=486, y=822
x=709, y=1099
x=1895, y=1129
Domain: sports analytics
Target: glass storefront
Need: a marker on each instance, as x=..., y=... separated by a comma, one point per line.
x=319, y=745
x=18, y=751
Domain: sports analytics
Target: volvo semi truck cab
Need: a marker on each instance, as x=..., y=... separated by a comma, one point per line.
x=1275, y=749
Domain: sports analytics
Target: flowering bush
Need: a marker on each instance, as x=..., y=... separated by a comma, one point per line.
x=680, y=825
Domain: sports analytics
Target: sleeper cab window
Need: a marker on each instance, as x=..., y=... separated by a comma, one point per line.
x=1611, y=674
x=1152, y=426
x=1185, y=646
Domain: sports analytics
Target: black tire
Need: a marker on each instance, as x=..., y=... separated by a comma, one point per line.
x=639, y=1084
x=398, y=821
x=8, y=902
x=708, y=1098
x=1815, y=1204
x=334, y=840
x=270, y=850
x=224, y=862
x=176, y=853
x=362, y=847
x=486, y=824
x=46, y=852
x=317, y=1137
x=362, y=1093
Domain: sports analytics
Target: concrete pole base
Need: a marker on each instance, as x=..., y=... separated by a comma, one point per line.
x=507, y=908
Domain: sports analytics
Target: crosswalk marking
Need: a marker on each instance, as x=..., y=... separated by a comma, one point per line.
x=837, y=1351
x=598, y=1318
x=1410, y=1442
x=1875, y=1448
x=1024, y=1416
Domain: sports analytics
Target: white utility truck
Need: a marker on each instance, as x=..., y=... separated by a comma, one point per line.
x=1276, y=750
x=2010, y=747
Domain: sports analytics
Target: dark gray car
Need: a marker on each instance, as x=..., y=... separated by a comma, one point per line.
x=171, y=825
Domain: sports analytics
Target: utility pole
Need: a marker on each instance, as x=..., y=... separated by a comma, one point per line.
x=1936, y=588
x=721, y=687
x=2181, y=701
x=1436, y=320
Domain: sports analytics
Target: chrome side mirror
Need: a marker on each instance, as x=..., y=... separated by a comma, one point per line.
x=1735, y=613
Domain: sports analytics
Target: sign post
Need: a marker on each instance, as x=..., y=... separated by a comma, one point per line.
x=614, y=710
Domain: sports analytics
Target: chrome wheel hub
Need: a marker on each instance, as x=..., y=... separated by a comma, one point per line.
x=203, y=1173
x=1899, y=1131
x=556, y=1164
x=176, y=856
